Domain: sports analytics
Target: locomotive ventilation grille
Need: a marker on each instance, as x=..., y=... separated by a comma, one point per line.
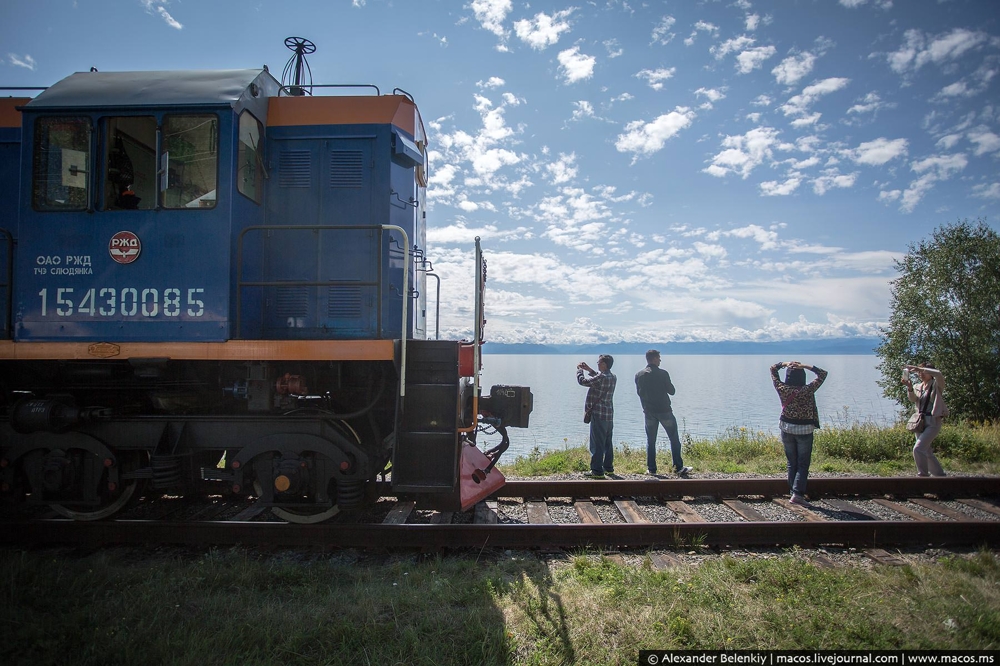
x=292, y=301
x=294, y=168
x=346, y=168
x=344, y=302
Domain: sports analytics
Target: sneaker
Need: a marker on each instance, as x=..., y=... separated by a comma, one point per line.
x=593, y=475
x=609, y=471
x=684, y=471
x=798, y=499
x=651, y=472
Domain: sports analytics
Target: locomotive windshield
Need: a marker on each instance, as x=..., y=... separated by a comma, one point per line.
x=130, y=156
x=250, y=180
x=191, y=157
x=61, y=164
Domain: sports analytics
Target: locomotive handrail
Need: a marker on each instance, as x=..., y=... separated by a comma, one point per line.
x=378, y=284
x=437, y=305
x=287, y=89
x=8, y=285
x=400, y=90
x=477, y=341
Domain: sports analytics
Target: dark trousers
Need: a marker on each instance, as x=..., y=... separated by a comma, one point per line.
x=602, y=452
x=669, y=423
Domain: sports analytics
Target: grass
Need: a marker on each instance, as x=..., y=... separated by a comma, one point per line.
x=240, y=606
x=849, y=448
x=236, y=606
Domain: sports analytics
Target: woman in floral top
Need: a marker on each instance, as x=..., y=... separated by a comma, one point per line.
x=799, y=417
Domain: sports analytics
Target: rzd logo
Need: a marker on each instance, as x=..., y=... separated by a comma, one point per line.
x=124, y=247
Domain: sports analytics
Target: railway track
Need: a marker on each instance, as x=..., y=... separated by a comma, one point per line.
x=861, y=512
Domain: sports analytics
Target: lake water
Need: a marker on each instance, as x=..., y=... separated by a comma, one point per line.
x=714, y=393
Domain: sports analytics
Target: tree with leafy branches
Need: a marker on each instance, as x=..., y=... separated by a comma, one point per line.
x=946, y=311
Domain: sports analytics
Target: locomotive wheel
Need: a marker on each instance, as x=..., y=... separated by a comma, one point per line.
x=116, y=503
x=112, y=501
x=303, y=516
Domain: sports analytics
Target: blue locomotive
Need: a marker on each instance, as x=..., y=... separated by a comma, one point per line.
x=213, y=279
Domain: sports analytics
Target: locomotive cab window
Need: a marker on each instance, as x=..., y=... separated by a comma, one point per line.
x=189, y=159
x=61, y=167
x=250, y=179
x=130, y=162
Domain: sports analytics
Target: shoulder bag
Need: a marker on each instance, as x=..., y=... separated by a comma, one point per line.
x=918, y=422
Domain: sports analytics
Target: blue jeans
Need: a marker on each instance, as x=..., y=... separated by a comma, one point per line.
x=602, y=452
x=798, y=451
x=669, y=423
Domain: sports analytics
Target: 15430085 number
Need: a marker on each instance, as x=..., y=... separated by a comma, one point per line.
x=126, y=302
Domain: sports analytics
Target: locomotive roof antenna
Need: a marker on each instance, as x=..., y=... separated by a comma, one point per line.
x=297, y=76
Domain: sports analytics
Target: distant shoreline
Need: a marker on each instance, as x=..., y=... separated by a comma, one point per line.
x=838, y=346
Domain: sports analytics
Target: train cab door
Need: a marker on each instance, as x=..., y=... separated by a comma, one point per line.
x=332, y=273
x=10, y=178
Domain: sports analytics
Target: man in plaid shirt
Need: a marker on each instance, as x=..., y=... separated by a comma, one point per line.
x=601, y=411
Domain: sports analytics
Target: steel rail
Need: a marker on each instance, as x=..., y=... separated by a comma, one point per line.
x=866, y=534
x=822, y=486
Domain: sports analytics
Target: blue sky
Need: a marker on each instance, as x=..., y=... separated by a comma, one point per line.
x=638, y=171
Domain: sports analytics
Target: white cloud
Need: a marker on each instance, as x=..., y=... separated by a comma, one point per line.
x=26, y=62
x=656, y=77
x=732, y=46
x=754, y=58
x=491, y=15
x=492, y=82
x=957, y=89
x=772, y=188
x=943, y=166
x=576, y=220
x=881, y=4
x=767, y=239
x=932, y=169
x=661, y=33
x=614, y=48
x=642, y=138
x=460, y=233
x=987, y=191
x=793, y=68
x=878, y=152
x=752, y=21
x=157, y=7
x=799, y=104
x=986, y=141
x=711, y=94
x=833, y=179
x=576, y=66
x=563, y=170
x=469, y=168
x=948, y=141
x=544, y=30
x=702, y=26
x=743, y=153
x=919, y=49
x=915, y=192
x=584, y=109
x=805, y=121
x=870, y=103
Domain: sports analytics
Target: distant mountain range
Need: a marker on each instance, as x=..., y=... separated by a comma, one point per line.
x=858, y=346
